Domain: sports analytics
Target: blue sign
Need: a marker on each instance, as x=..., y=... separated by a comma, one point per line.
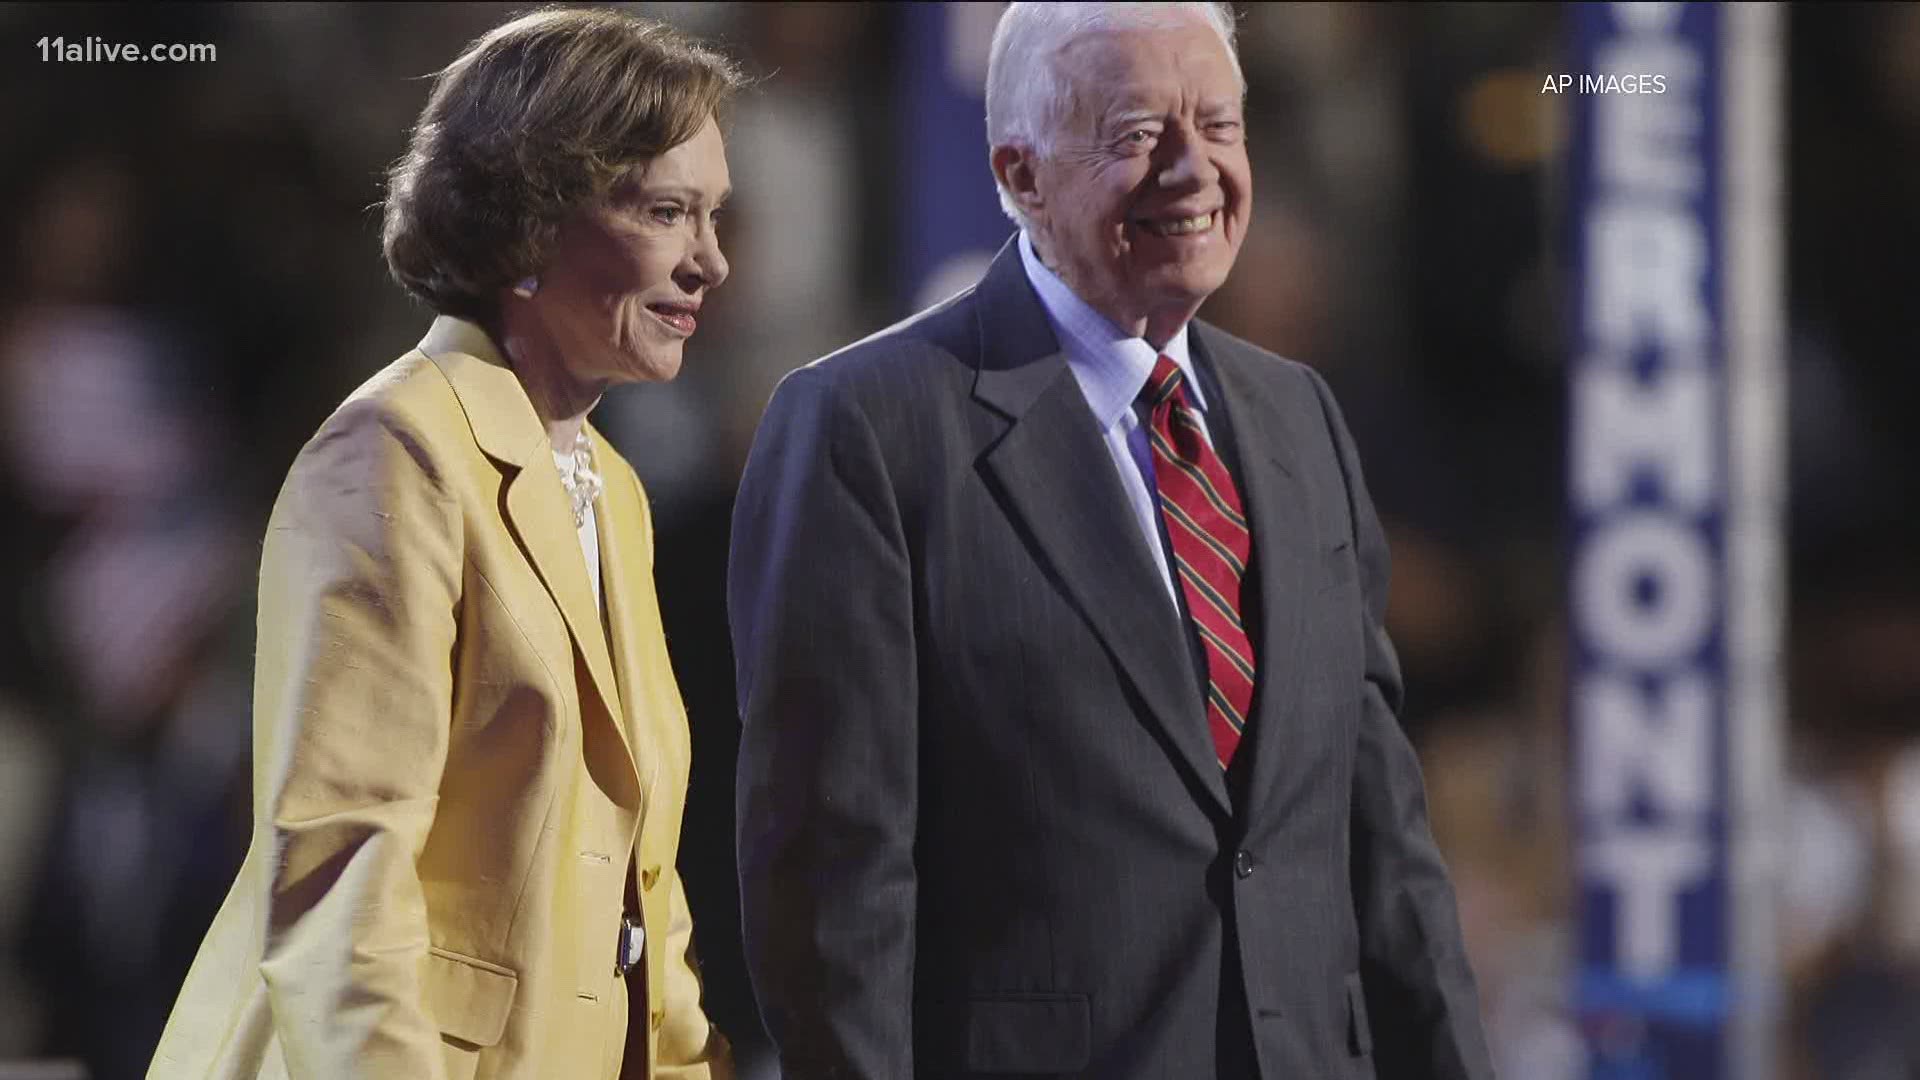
x=1649, y=495
x=950, y=221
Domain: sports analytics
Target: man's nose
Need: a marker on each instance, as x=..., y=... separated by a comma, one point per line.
x=1189, y=164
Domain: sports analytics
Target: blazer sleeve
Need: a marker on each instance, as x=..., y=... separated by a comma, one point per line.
x=1414, y=970
x=358, y=586
x=820, y=600
x=690, y=1047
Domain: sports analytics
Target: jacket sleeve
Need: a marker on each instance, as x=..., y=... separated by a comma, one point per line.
x=359, y=582
x=820, y=599
x=690, y=1047
x=1414, y=970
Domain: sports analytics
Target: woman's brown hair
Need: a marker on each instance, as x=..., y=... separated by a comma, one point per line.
x=536, y=118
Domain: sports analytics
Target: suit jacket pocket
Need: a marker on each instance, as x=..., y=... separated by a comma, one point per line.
x=469, y=998
x=1029, y=1033
x=1359, y=1035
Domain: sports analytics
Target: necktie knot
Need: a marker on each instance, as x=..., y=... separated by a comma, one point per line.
x=1164, y=384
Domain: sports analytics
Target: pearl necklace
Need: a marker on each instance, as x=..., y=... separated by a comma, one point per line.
x=578, y=477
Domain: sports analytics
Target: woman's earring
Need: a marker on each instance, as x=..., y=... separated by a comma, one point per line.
x=526, y=287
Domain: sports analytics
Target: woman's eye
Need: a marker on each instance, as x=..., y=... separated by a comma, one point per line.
x=667, y=215
x=1138, y=137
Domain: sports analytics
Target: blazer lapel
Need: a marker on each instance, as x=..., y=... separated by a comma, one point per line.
x=508, y=430
x=640, y=660
x=1057, y=478
x=1282, y=545
x=543, y=523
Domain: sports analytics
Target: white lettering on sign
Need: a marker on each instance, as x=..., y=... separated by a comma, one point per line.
x=1623, y=427
x=1648, y=868
x=1653, y=746
x=1644, y=589
x=1647, y=267
x=1650, y=144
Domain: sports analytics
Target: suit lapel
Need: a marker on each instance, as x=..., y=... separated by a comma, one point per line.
x=1282, y=543
x=507, y=429
x=1057, y=479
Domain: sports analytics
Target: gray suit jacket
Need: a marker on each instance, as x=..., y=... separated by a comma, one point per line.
x=982, y=830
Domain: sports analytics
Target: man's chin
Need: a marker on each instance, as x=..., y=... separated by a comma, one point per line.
x=1184, y=287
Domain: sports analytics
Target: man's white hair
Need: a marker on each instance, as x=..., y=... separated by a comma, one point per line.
x=1028, y=97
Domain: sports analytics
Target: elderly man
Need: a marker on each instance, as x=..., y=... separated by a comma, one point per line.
x=1070, y=743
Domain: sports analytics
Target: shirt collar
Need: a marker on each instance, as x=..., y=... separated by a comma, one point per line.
x=1111, y=367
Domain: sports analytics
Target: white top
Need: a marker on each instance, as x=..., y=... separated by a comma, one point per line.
x=589, y=534
x=1112, y=368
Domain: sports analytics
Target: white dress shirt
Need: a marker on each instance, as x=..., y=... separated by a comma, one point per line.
x=589, y=531
x=1112, y=369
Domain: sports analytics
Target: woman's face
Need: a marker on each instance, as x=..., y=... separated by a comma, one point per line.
x=622, y=293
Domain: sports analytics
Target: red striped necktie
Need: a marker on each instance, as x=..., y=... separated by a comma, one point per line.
x=1208, y=532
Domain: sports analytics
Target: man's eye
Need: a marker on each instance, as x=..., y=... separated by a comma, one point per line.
x=1138, y=137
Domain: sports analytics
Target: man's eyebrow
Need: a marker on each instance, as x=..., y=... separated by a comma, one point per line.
x=1128, y=116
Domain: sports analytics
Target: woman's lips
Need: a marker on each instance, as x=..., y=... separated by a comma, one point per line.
x=681, y=319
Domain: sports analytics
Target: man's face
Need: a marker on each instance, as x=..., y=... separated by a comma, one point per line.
x=1145, y=199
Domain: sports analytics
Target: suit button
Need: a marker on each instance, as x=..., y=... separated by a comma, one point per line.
x=648, y=876
x=1243, y=864
x=658, y=1017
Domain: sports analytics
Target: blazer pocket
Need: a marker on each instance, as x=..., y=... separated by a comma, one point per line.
x=469, y=998
x=1359, y=1035
x=1029, y=1033
x=1337, y=565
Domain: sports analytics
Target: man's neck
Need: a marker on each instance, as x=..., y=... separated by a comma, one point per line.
x=1155, y=327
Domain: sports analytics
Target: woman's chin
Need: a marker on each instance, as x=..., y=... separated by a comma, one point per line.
x=643, y=360
x=656, y=365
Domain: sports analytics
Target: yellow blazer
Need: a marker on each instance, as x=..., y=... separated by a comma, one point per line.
x=458, y=772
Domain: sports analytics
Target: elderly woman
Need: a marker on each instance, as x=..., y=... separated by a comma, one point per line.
x=470, y=755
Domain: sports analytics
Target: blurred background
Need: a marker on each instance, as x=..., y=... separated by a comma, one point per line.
x=190, y=280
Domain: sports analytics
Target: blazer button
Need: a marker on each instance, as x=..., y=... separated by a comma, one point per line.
x=658, y=1017
x=1243, y=864
x=648, y=876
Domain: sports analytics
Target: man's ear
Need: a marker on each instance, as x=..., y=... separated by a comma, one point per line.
x=1013, y=167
